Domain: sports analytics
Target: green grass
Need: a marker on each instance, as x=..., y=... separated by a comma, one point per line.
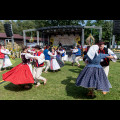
x=61, y=86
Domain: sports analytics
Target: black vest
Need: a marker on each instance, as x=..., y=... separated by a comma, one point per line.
x=106, y=61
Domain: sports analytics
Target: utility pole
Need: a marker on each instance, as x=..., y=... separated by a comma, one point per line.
x=113, y=38
x=111, y=24
x=12, y=35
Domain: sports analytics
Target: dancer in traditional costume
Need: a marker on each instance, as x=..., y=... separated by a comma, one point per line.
x=93, y=75
x=85, y=53
x=106, y=61
x=47, y=54
x=74, y=51
x=6, y=61
x=78, y=56
x=22, y=73
x=59, y=58
x=38, y=66
x=62, y=53
x=53, y=63
x=2, y=56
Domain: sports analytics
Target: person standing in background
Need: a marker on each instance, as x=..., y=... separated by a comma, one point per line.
x=60, y=44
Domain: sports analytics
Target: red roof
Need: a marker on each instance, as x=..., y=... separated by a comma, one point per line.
x=3, y=35
x=16, y=36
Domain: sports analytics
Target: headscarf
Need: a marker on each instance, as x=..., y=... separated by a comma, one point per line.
x=93, y=50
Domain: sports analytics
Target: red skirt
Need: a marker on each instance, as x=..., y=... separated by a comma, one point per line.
x=20, y=74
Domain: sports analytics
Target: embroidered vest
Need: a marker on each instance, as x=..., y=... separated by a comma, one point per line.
x=106, y=61
x=36, y=61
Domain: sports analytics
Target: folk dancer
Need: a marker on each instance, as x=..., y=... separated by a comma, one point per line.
x=74, y=51
x=53, y=62
x=47, y=54
x=22, y=73
x=93, y=76
x=62, y=53
x=38, y=66
x=78, y=55
x=106, y=61
x=7, y=62
x=2, y=56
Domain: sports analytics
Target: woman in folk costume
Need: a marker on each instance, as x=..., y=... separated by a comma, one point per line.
x=59, y=58
x=38, y=66
x=6, y=61
x=53, y=63
x=62, y=53
x=2, y=56
x=22, y=73
x=93, y=75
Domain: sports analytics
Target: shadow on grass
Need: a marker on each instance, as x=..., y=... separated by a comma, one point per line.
x=16, y=88
x=69, y=64
x=8, y=68
x=74, y=91
x=118, y=60
x=77, y=70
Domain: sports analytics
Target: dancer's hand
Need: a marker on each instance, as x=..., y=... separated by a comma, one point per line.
x=35, y=58
x=110, y=57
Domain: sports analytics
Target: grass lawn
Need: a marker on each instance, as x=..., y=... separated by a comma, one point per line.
x=61, y=86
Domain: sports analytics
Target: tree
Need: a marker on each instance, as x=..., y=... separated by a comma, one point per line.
x=107, y=31
x=1, y=27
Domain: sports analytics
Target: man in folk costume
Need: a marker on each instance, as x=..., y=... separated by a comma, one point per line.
x=47, y=54
x=74, y=51
x=106, y=61
x=78, y=55
x=38, y=66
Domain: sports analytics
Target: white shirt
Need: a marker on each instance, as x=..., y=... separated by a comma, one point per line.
x=41, y=58
x=54, y=56
x=27, y=55
x=49, y=53
x=74, y=50
x=111, y=52
x=61, y=52
x=5, y=52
